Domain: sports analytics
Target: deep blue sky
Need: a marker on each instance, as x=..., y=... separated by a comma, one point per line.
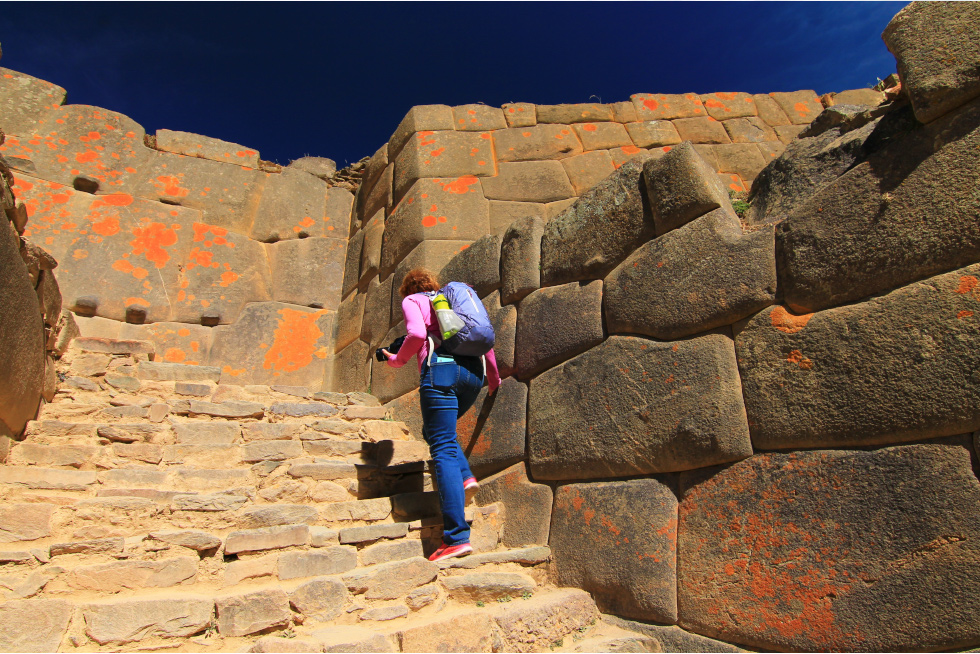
x=334, y=79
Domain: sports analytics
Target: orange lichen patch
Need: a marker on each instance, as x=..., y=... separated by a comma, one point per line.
x=170, y=185
x=174, y=355
x=113, y=200
x=151, y=240
x=183, y=332
x=964, y=314
x=437, y=152
x=79, y=254
x=423, y=140
x=726, y=96
x=136, y=300
x=968, y=284
x=199, y=257
x=294, y=341
x=631, y=149
x=246, y=153
x=651, y=104
x=797, y=357
x=227, y=278
x=108, y=226
x=801, y=108
x=428, y=221
x=460, y=185
x=307, y=222
x=195, y=346
x=787, y=322
x=86, y=157
x=228, y=370
x=589, y=127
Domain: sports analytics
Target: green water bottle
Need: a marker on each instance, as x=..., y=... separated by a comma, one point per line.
x=449, y=322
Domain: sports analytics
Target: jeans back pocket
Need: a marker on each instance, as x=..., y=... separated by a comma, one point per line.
x=444, y=375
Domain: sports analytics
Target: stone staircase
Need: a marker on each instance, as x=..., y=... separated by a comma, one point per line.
x=150, y=508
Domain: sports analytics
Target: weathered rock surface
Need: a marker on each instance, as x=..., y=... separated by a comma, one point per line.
x=126, y=620
x=556, y=323
x=937, y=52
x=33, y=625
x=703, y=275
x=833, y=550
x=520, y=259
x=321, y=599
x=478, y=265
x=807, y=378
x=599, y=230
x=865, y=234
x=617, y=540
x=635, y=406
x=527, y=506
x=248, y=613
x=480, y=586
x=492, y=433
x=681, y=186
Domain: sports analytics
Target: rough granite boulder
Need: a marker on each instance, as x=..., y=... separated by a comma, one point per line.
x=599, y=230
x=478, y=265
x=936, y=46
x=834, y=550
x=520, y=259
x=556, y=323
x=807, y=378
x=703, y=275
x=618, y=541
x=907, y=212
x=681, y=186
x=493, y=432
x=634, y=406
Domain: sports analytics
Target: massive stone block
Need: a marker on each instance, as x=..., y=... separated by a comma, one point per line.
x=442, y=154
x=554, y=324
x=348, y=325
x=658, y=106
x=274, y=343
x=225, y=194
x=703, y=275
x=743, y=159
x=749, y=130
x=520, y=259
x=380, y=195
x=371, y=250
x=633, y=406
x=588, y=169
x=618, y=541
x=492, y=433
x=574, y=113
x=702, y=129
x=377, y=317
x=350, y=369
x=308, y=271
x=769, y=110
x=807, y=377
x=527, y=506
x=504, y=321
x=801, y=107
x=434, y=209
x=592, y=236
x=529, y=181
x=22, y=522
x=23, y=99
x=428, y=117
x=681, y=186
x=602, y=136
x=520, y=114
x=478, y=265
x=478, y=118
x=33, y=625
x=865, y=233
x=352, y=263
x=653, y=133
x=503, y=214
x=21, y=337
x=73, y=140
x=205, y=147
x=834, y=550
x=536, y=143
x=387, y=383
x=722, y=106
x=937, y=52
x=295, y=204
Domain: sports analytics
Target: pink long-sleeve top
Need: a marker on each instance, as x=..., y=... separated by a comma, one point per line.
x=420, y=323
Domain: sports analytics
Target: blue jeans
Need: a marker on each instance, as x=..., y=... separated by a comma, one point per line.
x=446, y=390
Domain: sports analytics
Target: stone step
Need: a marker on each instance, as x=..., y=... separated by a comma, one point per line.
x=402, y=609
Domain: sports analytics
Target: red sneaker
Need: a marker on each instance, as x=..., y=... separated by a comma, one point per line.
x=450, y=551
x=471, y=484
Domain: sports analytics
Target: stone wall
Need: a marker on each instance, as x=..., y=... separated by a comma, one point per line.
x=189, y=242
x=756, y=429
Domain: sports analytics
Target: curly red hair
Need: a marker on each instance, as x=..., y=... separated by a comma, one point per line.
x=418, y=280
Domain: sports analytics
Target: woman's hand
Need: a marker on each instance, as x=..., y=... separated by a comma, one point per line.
x=388, y=354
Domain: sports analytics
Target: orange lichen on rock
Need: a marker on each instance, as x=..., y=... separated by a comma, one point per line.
x=787, y=322
x=294, y=341
x=151, y=241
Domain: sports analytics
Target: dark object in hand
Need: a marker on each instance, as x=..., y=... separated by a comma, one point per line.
x=393, y=348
